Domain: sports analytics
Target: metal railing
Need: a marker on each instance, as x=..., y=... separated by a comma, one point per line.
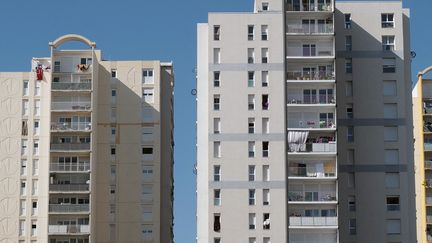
x=69, y=208
x=428, y=183
x=428, y=164
x=70, y=106
x=310, y=29
x=310, y=172
x=71, y=126
x=69, y=187
x=429, y=219
x=71, y=86
x=313, y=147
x=428, y=146
x=295, y=123
x=69, y=229
x=309, y=7
x=317, y=196
x=310, y=99
x=70, y=167
x=313, y=221
x=70, y=146
x=299, y=75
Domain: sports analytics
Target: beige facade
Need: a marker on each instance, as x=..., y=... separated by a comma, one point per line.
x=86, y=149
x=302, y=126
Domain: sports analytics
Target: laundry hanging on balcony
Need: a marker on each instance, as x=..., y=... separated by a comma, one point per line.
x=296, y=140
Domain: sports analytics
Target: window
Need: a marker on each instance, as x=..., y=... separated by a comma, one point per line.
x=266, y=240
x=347, y=21
x=348, y=43
x=252, y=240
x=264, y=55
x=148, y=76
x=34, y=228
x=217, y=149
x=113, y=114
x=147, y=232
x=251, y=197
x=24, y=128
x=36, y=147
x=114, y=73
x=392, y=180
x=24, y=147
x=216, y=32
x=35, y=167
x=266, y=197
x=393, y=203
x=351, y=180
x=216, y=79
x=309, y=50
x=113, y=172
x=251, y=149
x=217, y=197
x=265, y=149
x=389, y=88
x=22, y=227
x=350, y=134
x=389, y=65
x=265, y=6
x=217, y=222
x=57, y=66
x=147, y=153
x=388, y=43
x=391, y=156
x=348, y=65
x=25, y=105
x=251, y=32
x=23, y=170
x=148, y=95
x=114, y=96
x=349, y=111
x=37, y=108
x=351, y=203
x=147, y=172
x=266, y=173
x=25, y=88
x=252, y=221
x=251, y=125
x=251, y=55
x=216, y=125
x=251, y=79
x=147, y=134
x=353, y=226
x=264, y=78
x=393, y=226
x=251, y=172
x=147, y=193
x=387, y=20
x=265, y=126
x=113, y=150
x=217, y=240
x=216, y=102
x=264, y=32
x=390, y=111
x=217, y=173
x=36, y=127
x=113, y=134
x=266, y=221
x=23, y=188
x=265, y=102
x=38, y=86
x=390, y=134
x=216, y=55
x=35, y=186
x=22, y=208
x=251, y=102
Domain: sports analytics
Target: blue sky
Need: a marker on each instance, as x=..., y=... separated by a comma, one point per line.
x=139, y=29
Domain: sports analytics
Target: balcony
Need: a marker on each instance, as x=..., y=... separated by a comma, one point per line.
x=329, y=147
x=321, y=50
x=312, y=171
x=70, y=106
x=68, y=229
x=70, y=126
x=312, y=196
x=429, y=219
x=313, y=221
x=82, y=166
x=70, y=147
x=428, y=164
x=69, y=208
x=63, y=86
x=308, y=6
x=295, y=99
x=310, y=29
x=428, y=201
x=427, y=145
x=298, y=120
x=69, y=187
x=310, y=76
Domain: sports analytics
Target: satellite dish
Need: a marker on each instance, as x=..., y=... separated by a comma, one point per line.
x=194, y=92
x=413, y=54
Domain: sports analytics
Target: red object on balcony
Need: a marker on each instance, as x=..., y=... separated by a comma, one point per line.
x=39, y=72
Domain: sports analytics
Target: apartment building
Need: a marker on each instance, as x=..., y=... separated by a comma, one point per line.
x=86, y=149
x=422, y=104
x=303, y=133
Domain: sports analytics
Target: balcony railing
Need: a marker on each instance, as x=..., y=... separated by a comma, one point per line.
x=310, y=99
x=310, y=123
x=68, y=229
x=71, y=86
x=311, y=172
x=68, y=126
x=428, y=146
x=317, y=196
x=429, y=219
x=309, y=7
x=428, y=200
x=81, y=166
x=428, y=165
x=313, y=221
x=313, y=147
x=299, y=75
x=69, y=187
x=310, y=29
x=69, y=208
x=70, y=106
x=70, y=146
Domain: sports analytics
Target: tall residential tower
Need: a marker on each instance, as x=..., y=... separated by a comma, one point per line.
x=302, y=124
x=86, y=149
